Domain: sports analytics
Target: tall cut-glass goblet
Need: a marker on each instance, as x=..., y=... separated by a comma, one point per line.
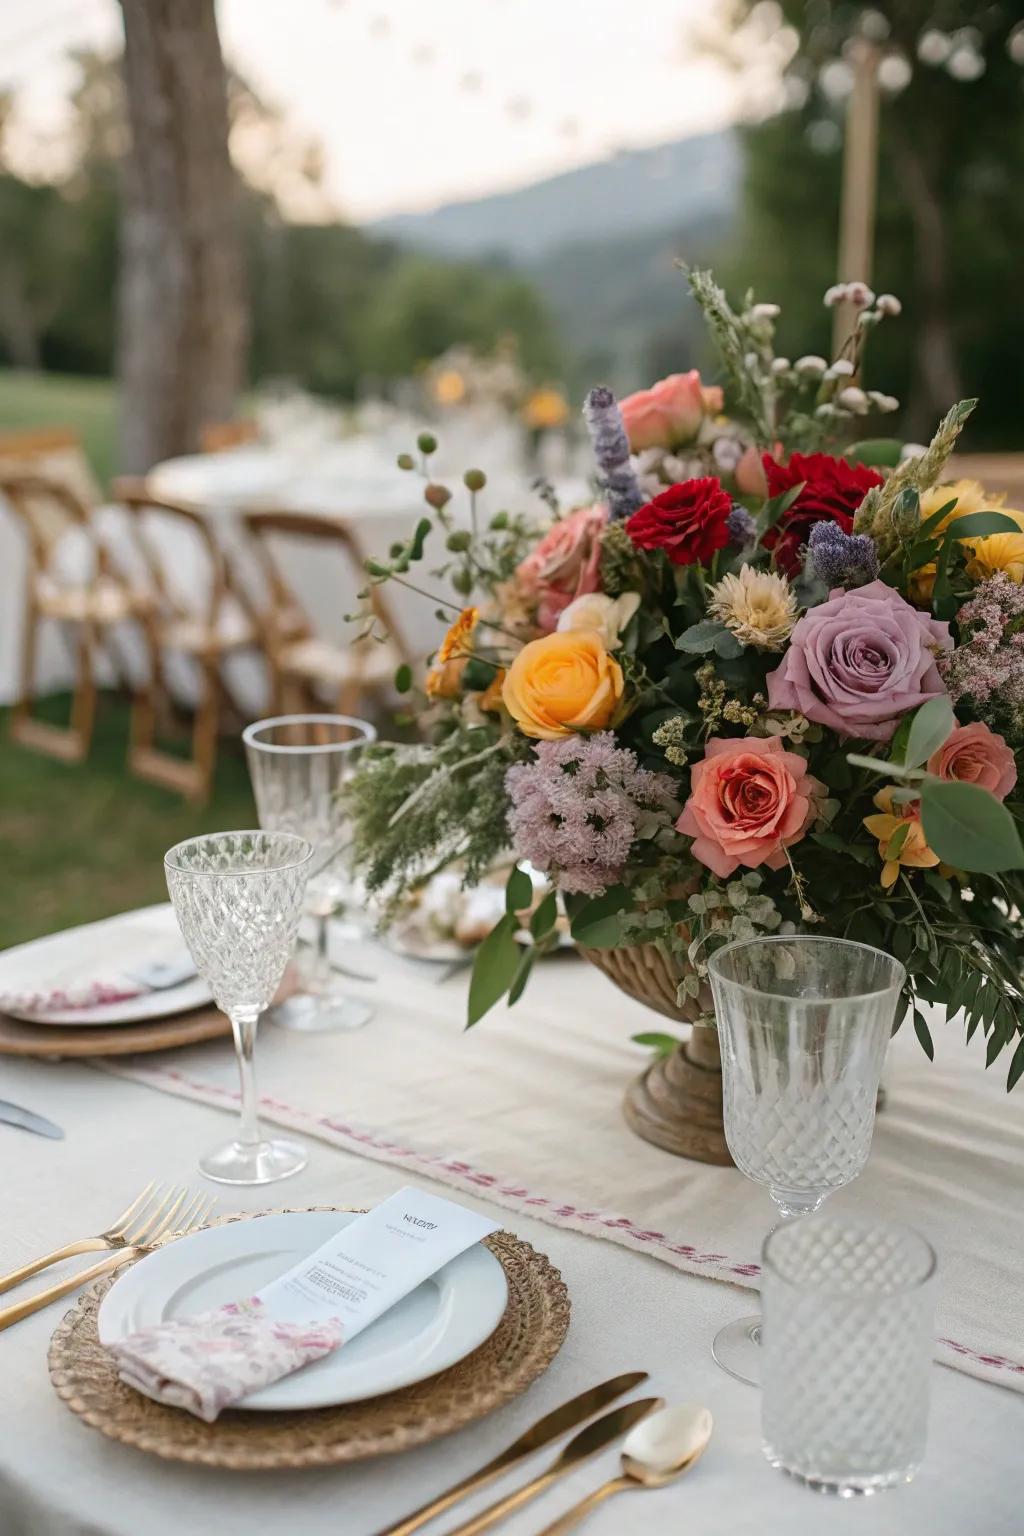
x=803, y=1025
x=238, y=899
x=297, y=764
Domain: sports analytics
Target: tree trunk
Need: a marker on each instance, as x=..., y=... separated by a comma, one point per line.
x=182, y=314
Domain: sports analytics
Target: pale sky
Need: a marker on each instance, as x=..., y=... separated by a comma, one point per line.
x=418, y=102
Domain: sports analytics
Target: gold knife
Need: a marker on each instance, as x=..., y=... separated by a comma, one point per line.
x=547, y=1429
x=580, y=1449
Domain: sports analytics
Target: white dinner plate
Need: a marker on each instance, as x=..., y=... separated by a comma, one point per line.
x=108, y=948
x=436, y=1325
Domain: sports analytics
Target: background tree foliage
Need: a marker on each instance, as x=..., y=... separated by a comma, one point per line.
x=950, y=227
x=330, y=305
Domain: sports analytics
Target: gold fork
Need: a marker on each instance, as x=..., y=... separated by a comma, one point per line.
x=185, y=1210
x=114, y=1236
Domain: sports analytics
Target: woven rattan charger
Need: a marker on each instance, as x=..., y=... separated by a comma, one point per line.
x=520, y=1349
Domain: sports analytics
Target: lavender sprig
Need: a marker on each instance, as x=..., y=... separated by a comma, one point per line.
x=611, y=454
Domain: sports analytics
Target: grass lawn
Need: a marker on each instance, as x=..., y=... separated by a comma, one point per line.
x=63, y=400
x=82, y=841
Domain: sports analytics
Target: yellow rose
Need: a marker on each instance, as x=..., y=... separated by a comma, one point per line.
x=998, y=552
x=563, y=683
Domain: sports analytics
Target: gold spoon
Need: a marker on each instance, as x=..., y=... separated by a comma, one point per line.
x=660, y=1448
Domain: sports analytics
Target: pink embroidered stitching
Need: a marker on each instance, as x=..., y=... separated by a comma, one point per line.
x=556, y=1210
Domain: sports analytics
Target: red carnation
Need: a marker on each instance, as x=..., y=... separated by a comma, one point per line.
x=687, y=521
x=832, y=492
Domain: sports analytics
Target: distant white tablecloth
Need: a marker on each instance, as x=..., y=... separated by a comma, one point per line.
x=630, y=1309
x=354, y=478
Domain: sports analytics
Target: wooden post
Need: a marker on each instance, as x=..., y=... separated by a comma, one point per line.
x=860, y=183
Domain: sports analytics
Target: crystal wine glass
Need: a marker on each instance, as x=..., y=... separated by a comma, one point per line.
x=238, y=899
x=297, y=764
x=803, y=1025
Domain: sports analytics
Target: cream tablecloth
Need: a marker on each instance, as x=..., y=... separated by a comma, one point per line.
x=523, y=1115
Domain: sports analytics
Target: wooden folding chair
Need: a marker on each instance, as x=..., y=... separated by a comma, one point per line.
x=217, y=436
x=304, y=665
x=208, y=633
x=49, y=508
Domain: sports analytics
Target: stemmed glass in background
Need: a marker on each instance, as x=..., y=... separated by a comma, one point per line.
x=803, y=1026
x=238, y=899
x=297, y=764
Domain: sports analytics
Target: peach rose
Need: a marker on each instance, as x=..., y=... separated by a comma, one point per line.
x=749, y=800
x=666, y=415
x=565, y=564
x=751, y=479
x=714, y=399
x=562, y=683
x=976, y=755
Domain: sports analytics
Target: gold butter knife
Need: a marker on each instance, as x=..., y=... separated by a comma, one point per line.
x=580, y=1449
x=549, y=1428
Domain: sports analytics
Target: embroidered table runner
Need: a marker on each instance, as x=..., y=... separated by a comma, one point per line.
x=527, y=1108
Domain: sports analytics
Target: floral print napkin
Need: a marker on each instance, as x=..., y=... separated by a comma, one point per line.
x=205, y=1363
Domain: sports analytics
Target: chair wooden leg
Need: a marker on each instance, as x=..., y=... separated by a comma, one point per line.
x=70, y=744
x=83, y=702
x=145, y=703
x=350, y=697
x=205, y=730
x=147, y=761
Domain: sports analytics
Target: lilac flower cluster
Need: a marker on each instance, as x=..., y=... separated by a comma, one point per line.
x=987, y=668
x=742, y=529
x=611, y=454
x=576, y=808
x=842, y=559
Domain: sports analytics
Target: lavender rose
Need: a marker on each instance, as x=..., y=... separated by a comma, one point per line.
x=860, y=661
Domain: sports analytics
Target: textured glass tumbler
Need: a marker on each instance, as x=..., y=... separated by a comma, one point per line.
x=803, y=1025
x=238, y=899
x=847, y=1344
x=297, y=764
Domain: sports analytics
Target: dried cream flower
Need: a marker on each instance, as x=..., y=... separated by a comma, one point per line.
x=758, y=606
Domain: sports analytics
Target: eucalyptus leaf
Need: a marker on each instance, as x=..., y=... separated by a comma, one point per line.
x=664, y=1045
x=598, y=925
x=518, y=892
x=884, y=451
x=522, y=976
x=776, y=507
x=702, y=638
x=1016, y=1066
x=543, y=920
x=923, y=1034
x=980, y=525
x=494, y=969
x=969, y=828
x=930, y=726
x=728, y=646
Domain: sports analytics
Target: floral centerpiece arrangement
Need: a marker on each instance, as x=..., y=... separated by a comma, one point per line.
x=771, y=679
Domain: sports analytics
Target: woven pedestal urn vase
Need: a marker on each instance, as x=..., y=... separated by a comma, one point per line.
x=677, y=1102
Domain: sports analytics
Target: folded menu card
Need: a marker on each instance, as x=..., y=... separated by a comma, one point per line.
x=207, y=1362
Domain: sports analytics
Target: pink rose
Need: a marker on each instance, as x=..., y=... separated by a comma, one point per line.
x=976, y=755
x=666, y=415
x=860, y=661
x=565, y=564
x=749, y=800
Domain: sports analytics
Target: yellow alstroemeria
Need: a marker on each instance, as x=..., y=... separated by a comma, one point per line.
x=456, y=641
x=913, y=851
